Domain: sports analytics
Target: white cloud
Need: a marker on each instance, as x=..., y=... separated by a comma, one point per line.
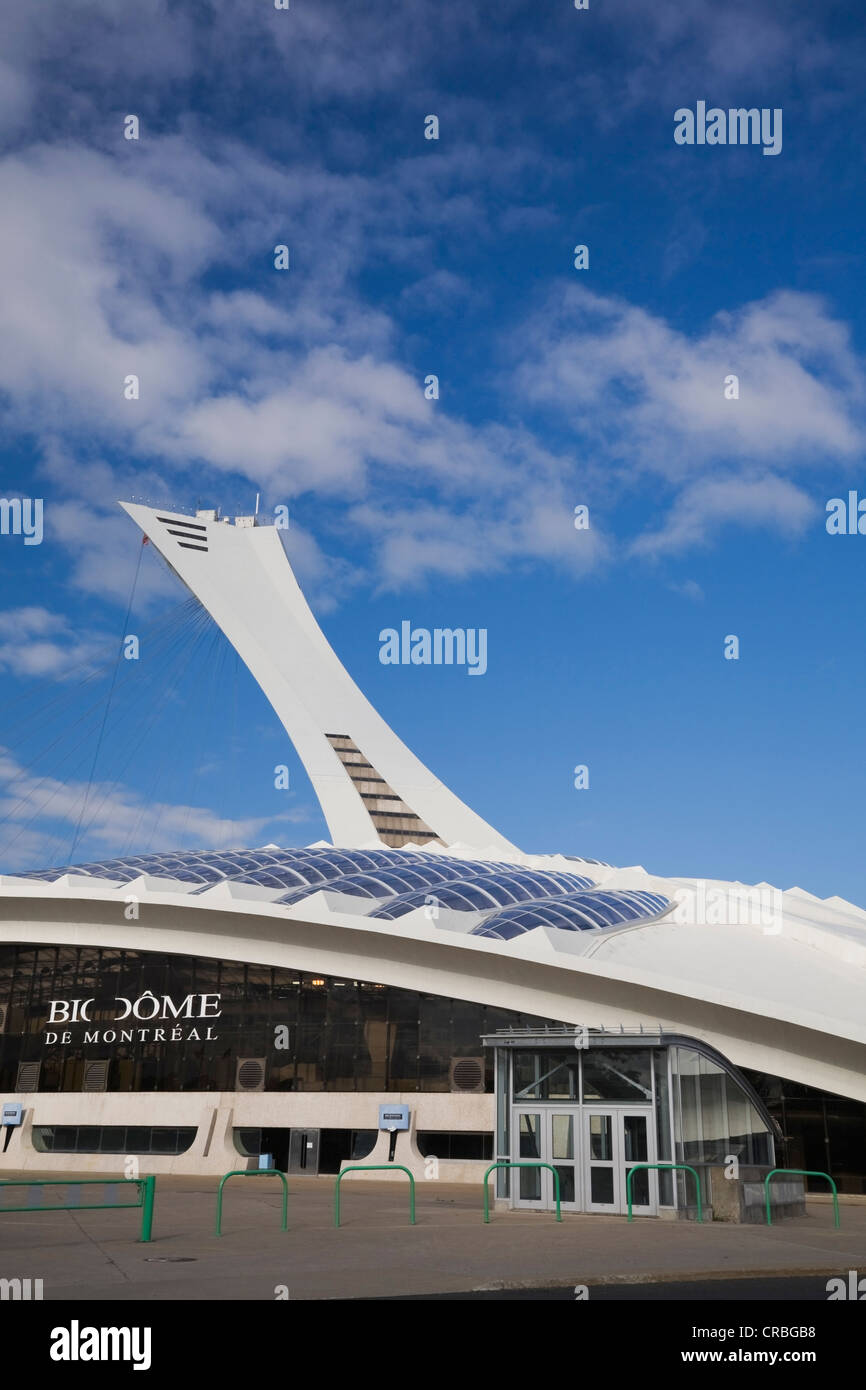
x=274, y=388
x=654, y=396
x=113, y=814
x=669, y=55
x=33, y=848
x=80, y=239
x=16, y=95
x=417, y=542
x=325, y=579
x=358, y=52
x=704, y=507
x=320, y=431
x=106, y=265
x=440, y=293
x=104, y=549
x=36, y=642
x=689, y=588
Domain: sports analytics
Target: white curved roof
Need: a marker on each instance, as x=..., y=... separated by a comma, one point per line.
x=774, y=979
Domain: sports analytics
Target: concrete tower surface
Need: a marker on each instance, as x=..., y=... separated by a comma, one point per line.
x=369, y=784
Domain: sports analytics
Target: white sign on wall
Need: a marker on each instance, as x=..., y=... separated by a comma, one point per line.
x=148, y=1009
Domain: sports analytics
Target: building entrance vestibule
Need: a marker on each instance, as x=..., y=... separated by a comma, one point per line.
x=595, y=1103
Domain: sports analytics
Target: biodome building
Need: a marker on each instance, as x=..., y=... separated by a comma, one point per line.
x=418, y=990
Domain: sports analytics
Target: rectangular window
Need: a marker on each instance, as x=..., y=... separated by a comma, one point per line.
x=89, y=1139
x=455, y=1144
x=620, y=1074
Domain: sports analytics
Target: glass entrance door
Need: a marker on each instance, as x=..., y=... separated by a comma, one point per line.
x=600, y=1169
x=563, y=1140
x=635, y=1148
x=615, y=1140
x=551, y=1136
x=526, y=1183
x=592, y=1150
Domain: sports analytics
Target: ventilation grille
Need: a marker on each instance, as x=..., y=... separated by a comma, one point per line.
x=250, y=1075
x=96, y=1076
x=395, y=823
x=190, y=535
x=466, y=1074
x=28, y=1076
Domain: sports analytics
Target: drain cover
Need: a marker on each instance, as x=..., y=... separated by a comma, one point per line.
x=170, y=1259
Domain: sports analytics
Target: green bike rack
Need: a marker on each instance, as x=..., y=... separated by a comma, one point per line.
x=146, y=1188
x=252, y=1173
x=375, y=1168
x=801, y=1173
x=686, y=1167
x=523, y=1164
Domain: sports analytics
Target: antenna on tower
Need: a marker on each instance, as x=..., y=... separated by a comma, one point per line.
x=257, y=504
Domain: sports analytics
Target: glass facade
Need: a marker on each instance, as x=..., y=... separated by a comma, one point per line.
x=623, y=1075
x=821, y=1131
x=714, y=1119
x=182, y=1023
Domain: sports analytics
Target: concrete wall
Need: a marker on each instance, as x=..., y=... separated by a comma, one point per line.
x=216, y=1114
x=742, y=1200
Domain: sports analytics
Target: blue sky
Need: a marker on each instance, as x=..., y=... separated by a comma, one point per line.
x=557, y=387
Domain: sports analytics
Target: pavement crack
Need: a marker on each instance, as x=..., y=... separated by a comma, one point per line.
x=94, y=1242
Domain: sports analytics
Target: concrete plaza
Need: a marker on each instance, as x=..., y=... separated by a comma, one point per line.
x=376, y=1253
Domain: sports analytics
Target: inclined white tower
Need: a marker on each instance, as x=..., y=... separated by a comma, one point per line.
x=369, y=784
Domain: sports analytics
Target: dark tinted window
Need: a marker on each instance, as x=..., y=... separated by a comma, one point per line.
x=91, y=1139
x=455, y=1144
x=312, y=1033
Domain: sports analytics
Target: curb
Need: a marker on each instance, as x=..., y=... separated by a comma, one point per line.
x=665, y=1277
